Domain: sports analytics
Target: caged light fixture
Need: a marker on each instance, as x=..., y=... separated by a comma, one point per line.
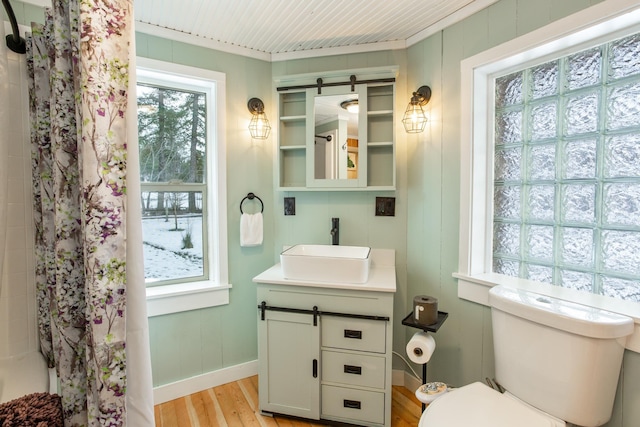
x=414, y=119
x=259, y=126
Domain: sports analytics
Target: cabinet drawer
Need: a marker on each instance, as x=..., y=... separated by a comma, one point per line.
x=352, y=405
x=354, y=334
x=353, y=369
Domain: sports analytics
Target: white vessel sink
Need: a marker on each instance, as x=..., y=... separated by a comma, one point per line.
x=326, y=263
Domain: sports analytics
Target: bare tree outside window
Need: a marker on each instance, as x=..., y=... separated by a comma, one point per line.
x=172, y=140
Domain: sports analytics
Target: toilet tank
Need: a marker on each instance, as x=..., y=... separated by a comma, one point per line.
x=560, y=357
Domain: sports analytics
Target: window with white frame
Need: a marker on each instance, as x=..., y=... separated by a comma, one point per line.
x=550, y=182
x=182, y=173
x=172, y=138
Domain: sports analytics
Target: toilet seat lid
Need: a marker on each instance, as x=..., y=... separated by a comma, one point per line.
x=480, y=406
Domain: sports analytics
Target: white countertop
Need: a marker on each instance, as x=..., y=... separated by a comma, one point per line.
x=382, y=275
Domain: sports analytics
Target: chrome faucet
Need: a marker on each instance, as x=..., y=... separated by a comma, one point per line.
x=335, y=231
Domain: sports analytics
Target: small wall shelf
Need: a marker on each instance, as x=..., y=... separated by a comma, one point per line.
x=410, y=321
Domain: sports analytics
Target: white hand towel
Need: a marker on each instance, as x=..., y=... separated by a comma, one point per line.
x=251, y=229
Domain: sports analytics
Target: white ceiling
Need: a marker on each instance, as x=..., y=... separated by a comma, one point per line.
x=285, y=29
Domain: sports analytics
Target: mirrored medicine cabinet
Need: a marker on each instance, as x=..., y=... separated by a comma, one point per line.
x=337, y=136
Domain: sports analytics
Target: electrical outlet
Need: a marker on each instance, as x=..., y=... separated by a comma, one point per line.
x=289, y=205
x=385, y=206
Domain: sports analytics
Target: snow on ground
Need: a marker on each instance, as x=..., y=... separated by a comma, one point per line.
x=164, y=257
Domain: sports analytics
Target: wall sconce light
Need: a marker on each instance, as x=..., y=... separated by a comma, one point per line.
x=414, y=119
x=259, y=126
x=351, y=105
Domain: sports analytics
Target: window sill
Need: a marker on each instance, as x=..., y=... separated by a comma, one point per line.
x=169, y=299
x=476, y=289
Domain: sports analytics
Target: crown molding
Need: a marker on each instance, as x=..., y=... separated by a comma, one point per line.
x=453, y=18
x=154, y=30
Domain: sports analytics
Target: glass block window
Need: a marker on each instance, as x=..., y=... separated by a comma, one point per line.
x=567, y=171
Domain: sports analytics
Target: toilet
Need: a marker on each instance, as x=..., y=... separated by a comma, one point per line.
x=558, y=361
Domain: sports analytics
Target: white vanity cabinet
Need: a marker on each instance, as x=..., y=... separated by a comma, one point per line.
x=325, y=352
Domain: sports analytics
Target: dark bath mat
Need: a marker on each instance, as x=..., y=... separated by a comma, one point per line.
x=32, y=410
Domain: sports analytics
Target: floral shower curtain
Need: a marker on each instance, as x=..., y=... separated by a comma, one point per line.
x=91, y=307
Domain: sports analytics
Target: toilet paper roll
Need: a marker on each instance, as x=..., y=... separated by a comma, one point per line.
x=425, y=310
x=420, y=347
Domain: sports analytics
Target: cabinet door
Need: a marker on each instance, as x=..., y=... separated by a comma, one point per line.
x=289, y=357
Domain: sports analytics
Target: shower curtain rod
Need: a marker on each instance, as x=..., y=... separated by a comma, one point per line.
x=14, y=41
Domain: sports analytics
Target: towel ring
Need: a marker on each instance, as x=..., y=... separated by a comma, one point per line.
x=251, y=196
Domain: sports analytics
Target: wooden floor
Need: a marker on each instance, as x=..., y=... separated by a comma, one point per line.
x=236, y=404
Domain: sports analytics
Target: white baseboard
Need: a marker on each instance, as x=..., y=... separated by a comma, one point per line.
x=410, y=382
x=397, y=377
x=167, y=392
x=403, y=378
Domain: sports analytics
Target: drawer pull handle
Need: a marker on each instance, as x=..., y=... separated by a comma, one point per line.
x=314, y=368
x=352, y=404
x=349, y=333
x=350, y=369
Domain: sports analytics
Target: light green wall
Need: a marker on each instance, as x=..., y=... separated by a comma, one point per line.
x=424, y=231
x=192, y=343
x=464, y=344
x=200, y=341
x=358, y=223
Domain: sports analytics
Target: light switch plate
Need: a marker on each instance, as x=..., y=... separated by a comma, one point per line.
x=385, y=206
x=289, y=205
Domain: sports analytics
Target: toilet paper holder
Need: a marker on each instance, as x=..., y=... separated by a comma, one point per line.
x=410, y=321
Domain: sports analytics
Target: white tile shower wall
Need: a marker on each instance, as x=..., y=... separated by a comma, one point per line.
x=18, y=330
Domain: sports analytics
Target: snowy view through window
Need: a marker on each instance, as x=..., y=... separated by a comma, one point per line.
x=172, y=142
x=164, y=254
